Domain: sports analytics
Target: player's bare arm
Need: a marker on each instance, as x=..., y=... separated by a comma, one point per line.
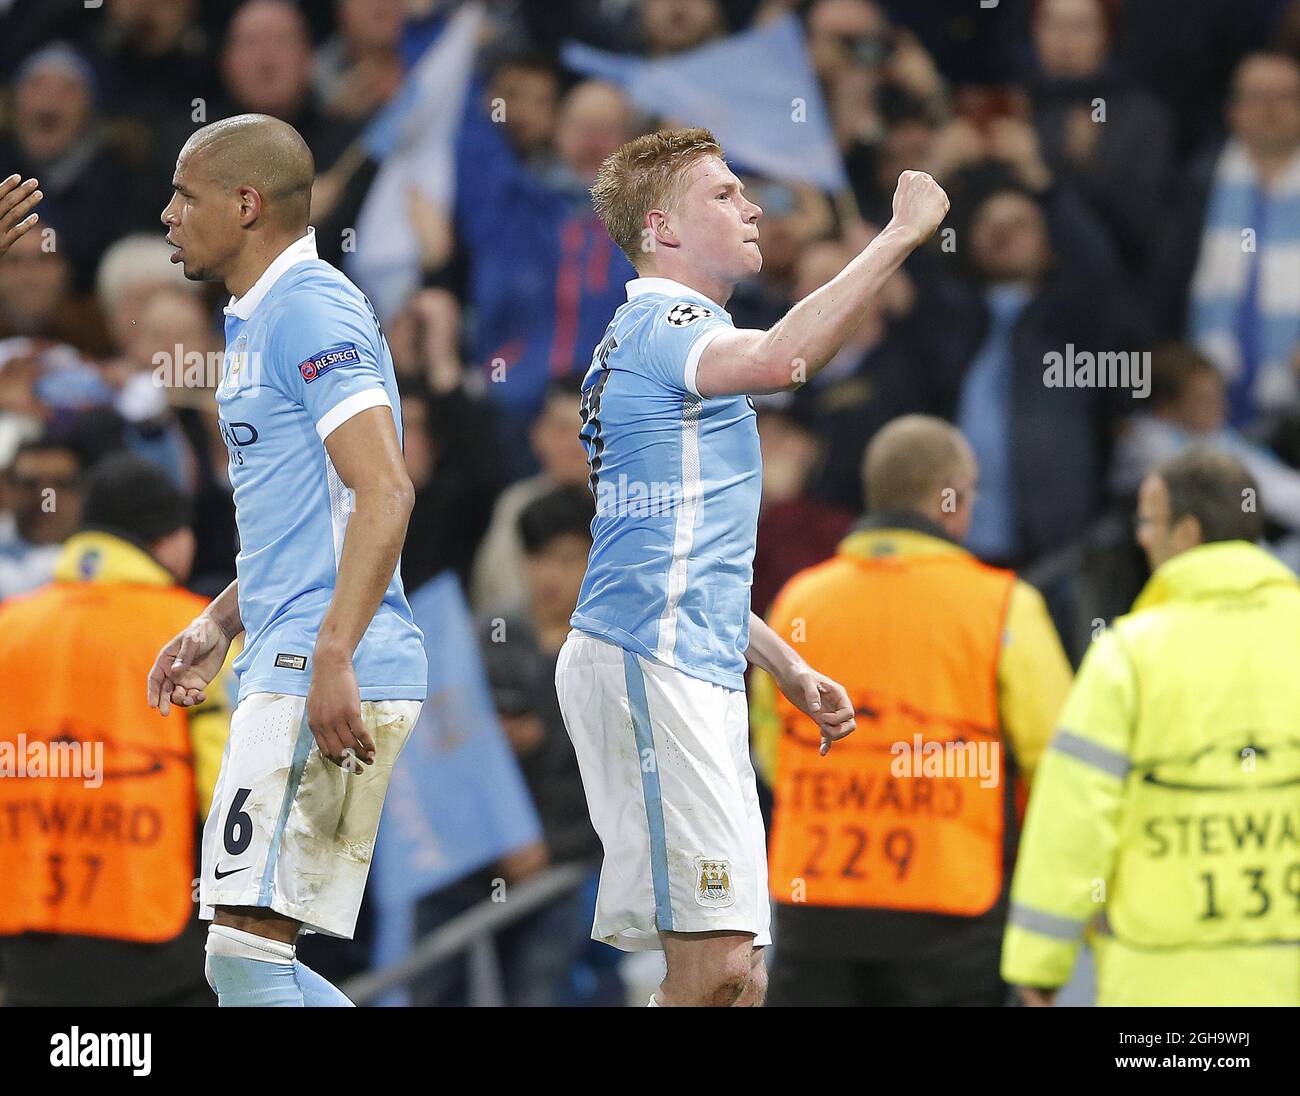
x=368, y=459
x=798, y=345
x=193, y=657
x=18, y=197
x=814, y=694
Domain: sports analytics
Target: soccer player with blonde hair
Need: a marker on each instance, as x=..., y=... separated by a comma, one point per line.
x=651, y=680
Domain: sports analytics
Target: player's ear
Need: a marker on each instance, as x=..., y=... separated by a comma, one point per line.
x=250, y=205
x=660, y=229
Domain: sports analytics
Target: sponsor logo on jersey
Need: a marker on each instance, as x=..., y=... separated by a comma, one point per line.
x=314, y=366
x=683, y=314
x=290, y=662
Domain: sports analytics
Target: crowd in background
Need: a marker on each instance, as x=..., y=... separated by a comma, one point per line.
x=1125, y=177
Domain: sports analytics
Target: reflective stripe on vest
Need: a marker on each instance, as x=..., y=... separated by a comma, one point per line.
x=97, y=799
x=909, y=812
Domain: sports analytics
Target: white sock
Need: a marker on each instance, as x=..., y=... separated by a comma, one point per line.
x=238, y=944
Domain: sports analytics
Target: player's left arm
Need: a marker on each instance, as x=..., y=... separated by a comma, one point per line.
x=327, y=356
x=368, y=459
x=814, y=694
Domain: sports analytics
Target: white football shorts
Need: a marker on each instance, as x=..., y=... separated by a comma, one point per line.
x=289, y=829
x=665, y=763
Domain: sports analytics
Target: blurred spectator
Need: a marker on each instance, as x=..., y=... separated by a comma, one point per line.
x=794, y=531
x=529, y=86
x=872, y=380
x=520, y=653
x=57, y=136
x=448, y=434
x=36, y=297
x=1040, y=449
x=266, y=68
x=1096, y=126
x=86, y=916
x=42, y=492
x=132, y=269
x=1231, y=259
x=358, y=69
x=671, y=26
x=156, y=67
x=545, y=278
x=870, y=72
x=170, y=362
x=499, y=582
x=794, y=217
x=1189, y=407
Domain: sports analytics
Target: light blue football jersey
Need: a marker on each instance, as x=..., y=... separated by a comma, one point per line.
x=677, y=480
x=304, y=352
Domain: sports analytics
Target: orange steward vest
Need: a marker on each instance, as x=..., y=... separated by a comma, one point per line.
x=97, y=799
x=909, y=812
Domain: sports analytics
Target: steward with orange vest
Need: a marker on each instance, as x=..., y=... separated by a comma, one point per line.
x=101, y=798
x=890, y=857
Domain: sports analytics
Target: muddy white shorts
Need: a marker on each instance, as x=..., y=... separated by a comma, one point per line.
x=665, y=764
x=288, y=828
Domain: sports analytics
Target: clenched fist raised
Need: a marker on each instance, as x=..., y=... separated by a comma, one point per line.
x=920, y=205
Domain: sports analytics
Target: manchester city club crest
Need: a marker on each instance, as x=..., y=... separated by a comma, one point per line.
x=684, y=314
x=713, y=882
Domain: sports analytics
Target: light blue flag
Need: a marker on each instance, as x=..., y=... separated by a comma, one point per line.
x=457, y=800
x=755, y=90
x=413, y=139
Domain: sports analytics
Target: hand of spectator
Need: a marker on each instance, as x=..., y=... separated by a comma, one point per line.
x=326, y=192
x=1036, y=998
x=18, y=379
x=1081, y=134
x=438, y=312
x=913, y=69
x=433, y=230
x=518, y=865
x=955, y=147
x=1013, y=141
x=184, y=668
x=17, y=200
x=919, y=205
x=365, y=87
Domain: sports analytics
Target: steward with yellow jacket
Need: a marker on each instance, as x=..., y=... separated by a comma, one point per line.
x=1165, y=820
x=890, y=856
x=100, y=796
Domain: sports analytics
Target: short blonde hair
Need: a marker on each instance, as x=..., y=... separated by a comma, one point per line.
x=646, y=173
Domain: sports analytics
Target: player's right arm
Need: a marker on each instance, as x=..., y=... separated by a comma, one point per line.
x=812, y=332
x=194, y=656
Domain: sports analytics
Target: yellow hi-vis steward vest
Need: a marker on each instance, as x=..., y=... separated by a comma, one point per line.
x=1209, y=839
x=1169, y=799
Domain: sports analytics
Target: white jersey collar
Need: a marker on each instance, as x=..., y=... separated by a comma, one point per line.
x=638, y=286
x=300, y=251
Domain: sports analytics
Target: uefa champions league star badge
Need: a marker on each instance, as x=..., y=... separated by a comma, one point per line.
x=685, y=314
x=713, y=883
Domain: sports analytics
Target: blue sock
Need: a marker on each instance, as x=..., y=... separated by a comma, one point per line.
x=316, y=991
x=253, y=983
